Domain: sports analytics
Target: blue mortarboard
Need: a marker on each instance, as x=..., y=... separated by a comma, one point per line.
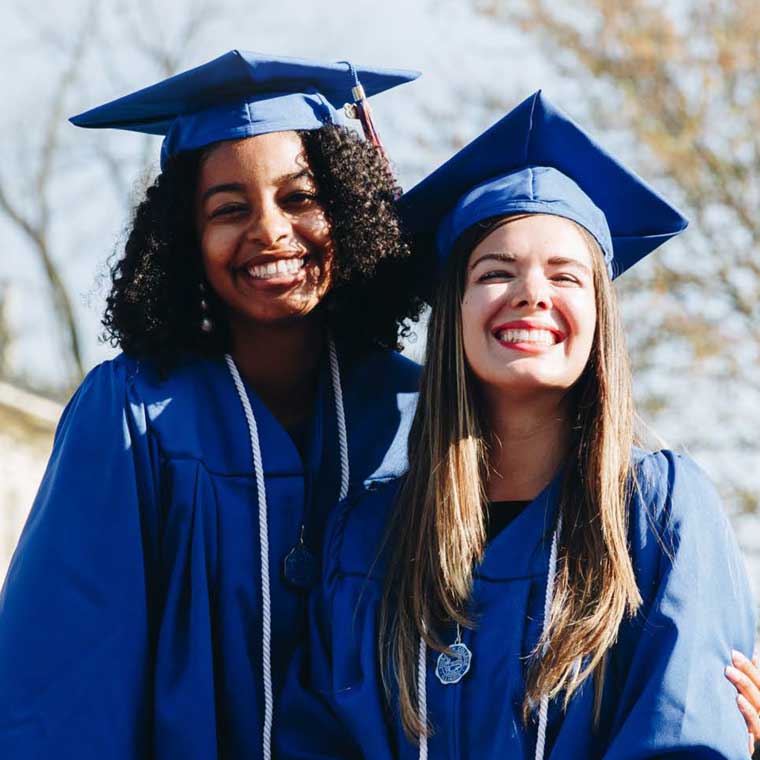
x=536, y=160
x=241, y=94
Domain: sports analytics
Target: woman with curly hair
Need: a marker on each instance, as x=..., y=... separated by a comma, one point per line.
x=160, y=584
x=536, y=586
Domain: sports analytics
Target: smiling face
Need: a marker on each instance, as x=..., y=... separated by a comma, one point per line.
x=529, y=310
x=264, y=237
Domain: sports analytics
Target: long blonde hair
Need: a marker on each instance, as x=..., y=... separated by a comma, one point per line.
x=437, y=532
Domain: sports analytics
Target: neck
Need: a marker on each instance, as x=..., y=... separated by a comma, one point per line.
x=281, y=363
x=531, y=440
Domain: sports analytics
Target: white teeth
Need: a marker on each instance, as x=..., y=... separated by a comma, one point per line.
x=275, y=268
x=543, y=337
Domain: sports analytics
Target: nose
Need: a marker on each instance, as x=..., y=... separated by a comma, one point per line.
x=531, y=291
x=269, y=225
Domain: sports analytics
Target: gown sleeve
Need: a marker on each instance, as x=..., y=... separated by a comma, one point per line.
x=74, y=620
x=673, y=700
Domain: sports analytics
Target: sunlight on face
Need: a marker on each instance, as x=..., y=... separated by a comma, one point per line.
x=529, y=310
x=264, y=237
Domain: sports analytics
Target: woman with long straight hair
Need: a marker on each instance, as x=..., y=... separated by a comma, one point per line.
x=537, y=585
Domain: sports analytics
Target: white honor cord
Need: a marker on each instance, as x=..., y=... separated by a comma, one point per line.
x=544, y=708
x=258, y=469
x=266, y=602
x=341, y=419
x=422, y=696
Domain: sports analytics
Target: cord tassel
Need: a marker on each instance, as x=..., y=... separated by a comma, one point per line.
x=363, y=112
x=360, y=109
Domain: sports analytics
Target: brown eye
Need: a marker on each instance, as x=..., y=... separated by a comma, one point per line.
x=495, y=274
x=300, y=198
x=229, y=209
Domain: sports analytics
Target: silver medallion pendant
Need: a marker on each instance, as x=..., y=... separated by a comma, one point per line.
x=453, y=667
x=300, y=567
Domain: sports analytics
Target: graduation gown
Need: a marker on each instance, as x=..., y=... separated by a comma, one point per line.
x=664, y=692
x=130, y=619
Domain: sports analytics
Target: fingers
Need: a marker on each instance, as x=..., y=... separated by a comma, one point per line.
x=745, y=676
x=751, y=719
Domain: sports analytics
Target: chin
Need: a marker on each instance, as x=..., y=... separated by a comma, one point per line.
x=282, y=317
x=528, y=382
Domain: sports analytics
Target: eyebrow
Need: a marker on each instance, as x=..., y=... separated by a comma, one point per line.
x=238, y=187
x=511, y=258
x=508, y=257
x=302, y=174
x=229, y=187
x=563, y=261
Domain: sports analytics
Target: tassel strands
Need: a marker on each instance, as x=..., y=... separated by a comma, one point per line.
x=360, y=109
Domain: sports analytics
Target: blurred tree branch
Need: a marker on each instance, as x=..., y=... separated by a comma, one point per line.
x=36, y=226
x=5, y=333
x=45, y=161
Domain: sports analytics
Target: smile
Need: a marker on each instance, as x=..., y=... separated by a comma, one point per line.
x=540, y=337
x=274, y=269
x=528, y=336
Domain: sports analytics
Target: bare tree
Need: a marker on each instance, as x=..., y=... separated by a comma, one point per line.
x=36, y=224
x=142, y=38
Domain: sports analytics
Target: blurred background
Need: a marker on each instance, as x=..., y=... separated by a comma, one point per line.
x=670, y=86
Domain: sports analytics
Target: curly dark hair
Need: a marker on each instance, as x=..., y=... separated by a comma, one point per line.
x=154, y=311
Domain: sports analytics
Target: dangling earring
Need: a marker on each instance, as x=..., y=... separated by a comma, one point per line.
x=207, y=324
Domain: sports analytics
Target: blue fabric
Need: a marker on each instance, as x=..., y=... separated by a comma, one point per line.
x=535, y=190
x=537, y=160
x=240, y=94
x=664, y=694
x=247, y=118
x=130, y=619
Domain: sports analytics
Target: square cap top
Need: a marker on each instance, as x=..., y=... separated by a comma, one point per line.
x=240, y=94
x=537, y=160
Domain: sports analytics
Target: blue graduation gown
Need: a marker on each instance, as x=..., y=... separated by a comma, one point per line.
x=664, y=692
x=130, y=619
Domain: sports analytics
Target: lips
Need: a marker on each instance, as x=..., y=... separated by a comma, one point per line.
x=527, y=333
x=274, y=267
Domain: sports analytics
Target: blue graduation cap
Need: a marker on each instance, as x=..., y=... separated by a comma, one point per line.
x=242, y=94
x=536, y=160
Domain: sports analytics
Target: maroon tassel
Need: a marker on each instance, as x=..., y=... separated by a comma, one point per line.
x=360, y=109
x=363, y=112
